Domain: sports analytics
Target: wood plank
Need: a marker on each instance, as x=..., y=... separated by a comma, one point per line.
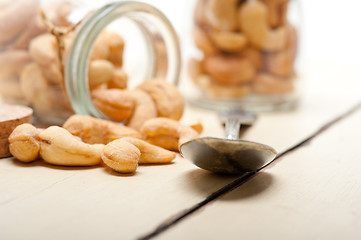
x=311, y=193
x=50, y=202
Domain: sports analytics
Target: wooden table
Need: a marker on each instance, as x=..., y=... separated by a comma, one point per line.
x=311, y=191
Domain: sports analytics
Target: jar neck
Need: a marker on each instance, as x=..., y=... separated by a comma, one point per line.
x=155, y=28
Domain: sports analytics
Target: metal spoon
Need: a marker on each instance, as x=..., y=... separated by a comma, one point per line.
x=229, y=155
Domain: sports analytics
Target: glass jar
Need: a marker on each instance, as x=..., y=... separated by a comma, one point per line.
x=243, y=53
x=51, y=59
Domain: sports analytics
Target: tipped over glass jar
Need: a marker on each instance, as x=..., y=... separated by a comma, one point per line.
x=53, y=58
x=243, y=54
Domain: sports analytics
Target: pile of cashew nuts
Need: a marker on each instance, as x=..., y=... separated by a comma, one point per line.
x=32, y=71
x=248, y=47
x=88, y=141
x=28, y=59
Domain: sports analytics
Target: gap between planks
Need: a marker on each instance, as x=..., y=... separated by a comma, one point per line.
x=247, y=176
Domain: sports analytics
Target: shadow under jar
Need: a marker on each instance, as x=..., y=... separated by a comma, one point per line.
x=243, y=54
x=53, y=59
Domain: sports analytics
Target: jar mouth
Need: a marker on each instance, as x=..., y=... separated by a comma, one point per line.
x=146, y=18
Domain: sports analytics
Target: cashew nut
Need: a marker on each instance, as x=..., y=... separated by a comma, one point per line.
x=116, y=48
x=144, y=109
x=229, y=41
x=222, y=14
x=220, y=90
x=203, y=41
x=186, y=134
x=45, y=98
x=100, y=71
x=12, y=62
x=282, y=63
x=59, y=147
x=163, y=141
x=121, y=156
x=253, y=55
x=24, y=142
x=277, y=12
x=35, y=27
x=109, y=46
x=229, y=69
x=43, y=49
x=58, y=12
x=199, y=14
x=168, y=100
x=197, y=126
x=169, y=129
x=10, y=89
x=119, y=79
x=36, y=89
x=269, y=84
x=101, y=48
x=93, y=130
x=253, y=22
x=114, y=103
x=150, y=153
x=14, y=17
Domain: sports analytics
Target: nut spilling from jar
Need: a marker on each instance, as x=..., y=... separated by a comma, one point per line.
x=152, y=98
x=32, y=50
x=87, y=141
x=248, y=47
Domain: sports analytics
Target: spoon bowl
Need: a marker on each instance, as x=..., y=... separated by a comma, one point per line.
x=229, y=155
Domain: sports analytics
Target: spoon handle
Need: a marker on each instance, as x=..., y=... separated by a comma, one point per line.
x=232, y=128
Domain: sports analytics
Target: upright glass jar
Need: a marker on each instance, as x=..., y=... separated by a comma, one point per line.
x=51, y=59
x=243, y=53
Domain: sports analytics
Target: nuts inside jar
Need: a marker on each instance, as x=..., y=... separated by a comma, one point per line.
x=247, y=46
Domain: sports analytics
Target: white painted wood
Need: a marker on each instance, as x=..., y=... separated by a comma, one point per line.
x=312, y=193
